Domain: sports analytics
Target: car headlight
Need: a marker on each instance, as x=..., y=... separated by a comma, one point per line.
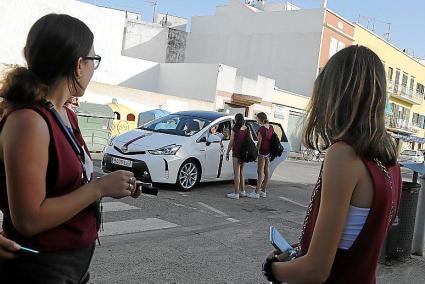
x=167, y=150
x=111, y=141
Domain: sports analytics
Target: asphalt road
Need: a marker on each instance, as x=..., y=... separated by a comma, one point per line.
x=203, y=237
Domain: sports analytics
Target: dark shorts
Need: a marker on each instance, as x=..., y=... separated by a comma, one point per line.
x=59, y=267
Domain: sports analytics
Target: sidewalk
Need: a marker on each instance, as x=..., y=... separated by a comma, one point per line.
x=410, y=272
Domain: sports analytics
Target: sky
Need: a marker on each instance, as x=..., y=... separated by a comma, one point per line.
x=407, y=17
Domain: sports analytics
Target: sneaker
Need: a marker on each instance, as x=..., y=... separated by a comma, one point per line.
x=232, y=195
x=242, y=194
x=253, y=195
x=262, y=194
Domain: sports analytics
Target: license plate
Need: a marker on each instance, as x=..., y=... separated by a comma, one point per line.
x=121, y=162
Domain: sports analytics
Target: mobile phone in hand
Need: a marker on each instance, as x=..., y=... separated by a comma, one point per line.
x=25, y=250
x=279, y=242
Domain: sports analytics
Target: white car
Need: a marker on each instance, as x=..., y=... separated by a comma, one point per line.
x=411, y=156
x=178, y=149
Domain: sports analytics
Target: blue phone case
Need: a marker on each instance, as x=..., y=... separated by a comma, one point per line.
x=279, y=242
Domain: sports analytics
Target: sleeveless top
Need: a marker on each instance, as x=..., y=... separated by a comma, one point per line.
x=358, y=264
x=266, y=135
x=64, y=175
x=240, y=137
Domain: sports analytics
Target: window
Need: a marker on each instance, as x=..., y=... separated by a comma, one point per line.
x=341, y=45
x=396, y=80
x=415, y=119
x=420, y=89
x=412, y=83
x=404, y=80
x=180, y=125
x=390, y=73
x=401, y=113
x=226, y=129
x=131, y=117
x=117, y=115
x=335, y=46
x=279, y=112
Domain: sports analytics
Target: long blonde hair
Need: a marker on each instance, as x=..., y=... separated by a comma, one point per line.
x=348, y=104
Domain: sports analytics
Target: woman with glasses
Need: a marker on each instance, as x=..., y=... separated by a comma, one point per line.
x=48, y=203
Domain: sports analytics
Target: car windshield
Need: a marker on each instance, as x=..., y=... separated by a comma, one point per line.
x=409, y=153
x=175, y=124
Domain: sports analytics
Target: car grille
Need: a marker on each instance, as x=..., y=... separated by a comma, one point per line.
x=130, y=152
x=139, y=168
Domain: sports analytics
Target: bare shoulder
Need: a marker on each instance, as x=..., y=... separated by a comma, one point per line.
x=28, y=122
x=343, y=152
x=342, y=158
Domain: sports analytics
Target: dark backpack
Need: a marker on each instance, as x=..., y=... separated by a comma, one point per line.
x=276, y=148
x=248, y=151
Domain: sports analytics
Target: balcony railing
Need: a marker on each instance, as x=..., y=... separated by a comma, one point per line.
x=403, y=93
x=400, y=124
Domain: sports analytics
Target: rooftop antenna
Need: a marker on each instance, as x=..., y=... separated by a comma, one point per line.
x=370, y=22
x=153, y=3
x=387, y=34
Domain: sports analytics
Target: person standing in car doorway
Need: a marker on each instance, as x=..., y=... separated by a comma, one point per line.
x=217, y=137
x=265, y=134
x=239, y=134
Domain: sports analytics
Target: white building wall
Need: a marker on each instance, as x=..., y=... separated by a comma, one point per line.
x=246, y=86
x=145, y=41
x=226, y=80
x=281, y=45
x=192, y=81
x=141, y=100
x=18, y=16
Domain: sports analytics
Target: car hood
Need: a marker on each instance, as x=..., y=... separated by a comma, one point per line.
x=147, y=140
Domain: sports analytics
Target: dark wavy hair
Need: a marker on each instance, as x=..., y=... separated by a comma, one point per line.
x=54, y=44
x=348, y=104
x=239, y=122
x=262, y=117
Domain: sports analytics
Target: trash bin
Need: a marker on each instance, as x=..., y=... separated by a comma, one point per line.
x=400, y=236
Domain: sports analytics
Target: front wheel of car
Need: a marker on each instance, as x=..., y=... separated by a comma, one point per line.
x=188, y=176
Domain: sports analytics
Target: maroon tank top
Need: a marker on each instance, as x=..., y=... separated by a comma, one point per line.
x=359, y=263
x=240, y=137
x=266, y=135
x=64, y=175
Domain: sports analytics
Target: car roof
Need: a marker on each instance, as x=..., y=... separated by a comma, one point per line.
x=208, y=115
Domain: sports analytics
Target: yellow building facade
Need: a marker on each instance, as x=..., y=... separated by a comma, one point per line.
x=405, y=111
x=125, y=119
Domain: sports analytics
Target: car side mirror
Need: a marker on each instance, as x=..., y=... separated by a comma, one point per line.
x=208, y=143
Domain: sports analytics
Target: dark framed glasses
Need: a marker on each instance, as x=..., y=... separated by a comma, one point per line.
x=96, y=60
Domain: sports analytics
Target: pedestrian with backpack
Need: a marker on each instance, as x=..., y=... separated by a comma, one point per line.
x=265, y=134
x=240, y=133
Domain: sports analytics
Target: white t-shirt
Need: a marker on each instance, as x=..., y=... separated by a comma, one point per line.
x=218, y=137
x=88, y=165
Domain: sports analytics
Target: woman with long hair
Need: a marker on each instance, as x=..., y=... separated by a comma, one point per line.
x=265, y=133
x=48, y=203
x=357, y=194
x=239, y=134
